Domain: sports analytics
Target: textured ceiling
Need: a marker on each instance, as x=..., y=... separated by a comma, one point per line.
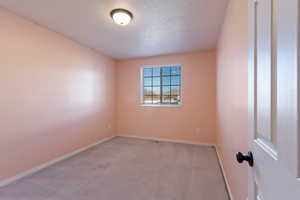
x=159, y=26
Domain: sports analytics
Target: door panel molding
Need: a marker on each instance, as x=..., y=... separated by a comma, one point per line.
x=266, y=147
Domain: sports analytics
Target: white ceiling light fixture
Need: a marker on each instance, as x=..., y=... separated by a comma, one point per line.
x=121, y=16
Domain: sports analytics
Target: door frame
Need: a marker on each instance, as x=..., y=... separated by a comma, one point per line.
x=251, y=88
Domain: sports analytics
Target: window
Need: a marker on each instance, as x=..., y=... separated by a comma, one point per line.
x=161, y=85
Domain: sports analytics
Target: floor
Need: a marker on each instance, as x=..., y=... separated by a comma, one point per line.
x=127, y=169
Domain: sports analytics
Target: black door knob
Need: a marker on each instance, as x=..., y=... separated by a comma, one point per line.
x=249, y=158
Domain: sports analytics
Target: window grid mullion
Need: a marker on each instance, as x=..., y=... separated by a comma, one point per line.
x=152, y=86
x=170, y=97
x=161, y=86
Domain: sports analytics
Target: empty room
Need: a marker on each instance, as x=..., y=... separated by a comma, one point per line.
x=149, y=100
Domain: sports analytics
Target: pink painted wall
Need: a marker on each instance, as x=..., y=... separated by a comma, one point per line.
x=232, y=95
x=199, y=100
x=56, y=95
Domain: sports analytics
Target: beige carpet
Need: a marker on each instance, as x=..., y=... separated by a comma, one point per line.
x=127, y=169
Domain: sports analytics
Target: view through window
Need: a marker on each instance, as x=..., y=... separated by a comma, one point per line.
x=161, y=85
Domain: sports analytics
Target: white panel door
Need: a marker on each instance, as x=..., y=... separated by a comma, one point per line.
x=273, y=100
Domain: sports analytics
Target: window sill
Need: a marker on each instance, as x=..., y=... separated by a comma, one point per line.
x=161, y=105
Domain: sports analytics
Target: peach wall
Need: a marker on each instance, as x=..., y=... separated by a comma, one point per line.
x=56, y=95
x=193, y=121
x=232, y=95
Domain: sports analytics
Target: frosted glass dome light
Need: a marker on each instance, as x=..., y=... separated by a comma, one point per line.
x=121, y=16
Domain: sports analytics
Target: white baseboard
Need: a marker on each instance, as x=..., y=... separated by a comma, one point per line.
x=52, y=162
x=224, y=174
x=168, y=140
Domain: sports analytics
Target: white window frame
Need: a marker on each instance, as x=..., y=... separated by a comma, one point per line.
x=142, y=86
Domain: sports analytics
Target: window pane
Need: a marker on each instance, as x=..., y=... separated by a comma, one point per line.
x=166, y=71
x=166, y=80
x=156, y=91
x=147, y=81
x=156, y=81
x=148, y=99
x=156, y=99
x=156, y=71
x=175, y=80
x=166, y=100
x=147, y=72
x=175, y=99
x=162, y=85
x=175, y=90
x=175, y=70
x=147, y=91
x=166, y=90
